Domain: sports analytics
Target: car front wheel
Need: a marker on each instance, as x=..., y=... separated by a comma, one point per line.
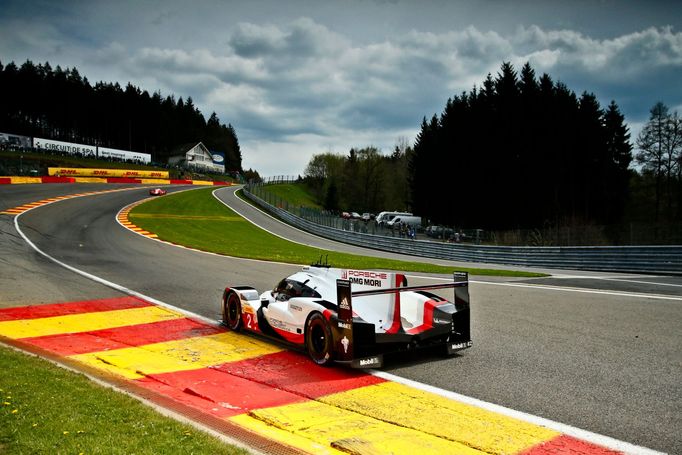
x=319, y=340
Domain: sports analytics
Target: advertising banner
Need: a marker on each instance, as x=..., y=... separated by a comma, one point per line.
x=65, y=147
x=123, y=173
x=14, y=141
x=218, y=158
x=105, y=152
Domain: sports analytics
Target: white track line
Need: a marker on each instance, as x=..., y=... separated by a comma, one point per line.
x=585, y=435
x=105, y=282
x=639, y=295
x=276, y=220
x=130, y=206
x=624, y=280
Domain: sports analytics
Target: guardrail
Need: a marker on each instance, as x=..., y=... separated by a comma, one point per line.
x=635, y=259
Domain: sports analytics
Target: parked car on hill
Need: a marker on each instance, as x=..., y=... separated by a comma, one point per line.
x=410, y=220
x=384, y=217
x=439, y=232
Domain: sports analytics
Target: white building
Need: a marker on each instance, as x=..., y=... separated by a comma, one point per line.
x=197, y=157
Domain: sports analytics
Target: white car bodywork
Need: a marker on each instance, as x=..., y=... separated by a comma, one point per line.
x=384, y=312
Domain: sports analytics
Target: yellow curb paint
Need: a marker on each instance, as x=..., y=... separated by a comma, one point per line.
x=85, y=322
x=22, y=208
x=155, y=181
x=178, y=355
x=201, y=182
x=354, y=433
x=26, y=180
x=449, y=419
x=89, y=180
x=283, y=436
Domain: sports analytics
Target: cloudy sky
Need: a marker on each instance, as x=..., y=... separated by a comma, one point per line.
x=301, y=77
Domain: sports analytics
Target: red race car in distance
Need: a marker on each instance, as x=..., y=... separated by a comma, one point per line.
x=157, y=192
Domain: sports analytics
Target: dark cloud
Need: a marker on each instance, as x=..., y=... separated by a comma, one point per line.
x=316, y=77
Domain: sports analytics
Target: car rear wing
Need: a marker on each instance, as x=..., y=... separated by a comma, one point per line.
x=343, y=332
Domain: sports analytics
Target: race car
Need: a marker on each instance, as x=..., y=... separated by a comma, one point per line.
x=157, y=192
x=352, y=317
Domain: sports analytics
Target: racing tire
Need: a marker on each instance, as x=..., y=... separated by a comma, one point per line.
x=232, y=311
x=318, y=340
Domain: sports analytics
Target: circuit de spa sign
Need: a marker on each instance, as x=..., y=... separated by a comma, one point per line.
x=65, y=147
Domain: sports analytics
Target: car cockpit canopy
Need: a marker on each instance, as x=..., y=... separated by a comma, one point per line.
x=288, y=288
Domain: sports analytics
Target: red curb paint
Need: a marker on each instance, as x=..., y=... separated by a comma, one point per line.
x=296, y=373
x=568, y=445
x=53, y=179
x=49, y=179
x=218, y=392
x=267, y=381
x=122, y=337
x=63, y=309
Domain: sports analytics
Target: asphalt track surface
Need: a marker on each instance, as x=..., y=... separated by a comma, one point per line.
x=596, y=351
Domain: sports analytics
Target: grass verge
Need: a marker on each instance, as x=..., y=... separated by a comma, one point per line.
x=45, y=409
x=196, y=219
x=295, y=194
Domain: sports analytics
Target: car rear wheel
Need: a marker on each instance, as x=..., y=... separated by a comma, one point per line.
x=319, y=340
x=232, y=311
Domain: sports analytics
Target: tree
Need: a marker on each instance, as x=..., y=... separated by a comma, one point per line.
x=370, y=180
x=365, y=180
x=619, y=154
x=675, y=145
x=396, y=191
x=525, y=153
x=331, y=197
x=660, y=146
x=61, y=104
x=322, y=171
x=420, y=167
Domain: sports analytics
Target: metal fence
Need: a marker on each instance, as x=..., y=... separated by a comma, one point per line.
x=648, y=233
x=333, y=220
x=636, y=259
